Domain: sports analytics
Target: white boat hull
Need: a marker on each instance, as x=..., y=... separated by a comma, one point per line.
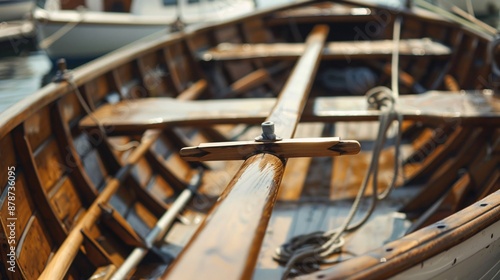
x=86, y=34
x=87, y=39
x=475, y=258
x=15, y=10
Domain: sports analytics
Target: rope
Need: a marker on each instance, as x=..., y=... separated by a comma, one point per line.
x=68, y=77
x=313, y=249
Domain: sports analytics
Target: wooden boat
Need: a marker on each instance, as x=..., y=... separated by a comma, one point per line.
x=81, y=30
x=160, y=160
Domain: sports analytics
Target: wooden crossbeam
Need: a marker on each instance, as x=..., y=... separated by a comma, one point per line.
x=136, y=116
x=321, y=12
x=146, y=113
x=287, y=148
x=332, y=50
x=230, y=241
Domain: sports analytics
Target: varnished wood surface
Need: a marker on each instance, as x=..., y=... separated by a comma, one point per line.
x=332, y=50
x=243, y=210
x=326, y=11
x=142, y=114
x=225, y=248
x=286, y=148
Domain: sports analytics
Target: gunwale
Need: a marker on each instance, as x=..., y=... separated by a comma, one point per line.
x=22, y=111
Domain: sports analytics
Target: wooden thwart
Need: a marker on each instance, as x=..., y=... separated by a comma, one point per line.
x=287, y=148
x=142, y=114
x=332, y=50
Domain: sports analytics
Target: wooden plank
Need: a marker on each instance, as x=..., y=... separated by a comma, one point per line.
x=333, y=50
x=231, y=240
x=323, y=12
x=142, y=114
x=466, y=189
x=250, y=81
x=446, y=174
x=294, y=176
x=436, y=157
x=60, y=263
x=8, y=156
x=471, y=107
x=35, y=249
x=138, y=115
x=287, y=148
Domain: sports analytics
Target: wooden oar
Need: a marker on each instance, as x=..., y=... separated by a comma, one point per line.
x=227, y=243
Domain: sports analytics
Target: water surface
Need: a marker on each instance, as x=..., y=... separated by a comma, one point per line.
x=21, y=76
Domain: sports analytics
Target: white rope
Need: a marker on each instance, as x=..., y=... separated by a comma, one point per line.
x=305, y=247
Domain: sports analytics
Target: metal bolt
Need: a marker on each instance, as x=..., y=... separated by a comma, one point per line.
x=61, y=64
x=267, y=132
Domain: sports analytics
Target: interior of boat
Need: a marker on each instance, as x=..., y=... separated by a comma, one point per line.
x=374, y=184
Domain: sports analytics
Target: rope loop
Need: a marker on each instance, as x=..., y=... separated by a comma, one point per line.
x=380, y=97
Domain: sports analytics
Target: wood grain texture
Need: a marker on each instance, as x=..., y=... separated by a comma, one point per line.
x=332, y=50
x=475, y=107
x=287, y=148
x=138, y=115
x=224, y=248
x=61, y=261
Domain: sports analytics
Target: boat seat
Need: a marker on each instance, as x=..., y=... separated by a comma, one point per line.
x=136, y=116
x=332, y=50
x=322, y=12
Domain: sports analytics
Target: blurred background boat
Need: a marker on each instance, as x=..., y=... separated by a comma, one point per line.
x=15, y=9
x=81, y=30
x=15, y=23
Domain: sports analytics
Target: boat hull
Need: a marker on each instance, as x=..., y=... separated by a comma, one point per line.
x=475, y=258
x=92, y=34
x=15, y=10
